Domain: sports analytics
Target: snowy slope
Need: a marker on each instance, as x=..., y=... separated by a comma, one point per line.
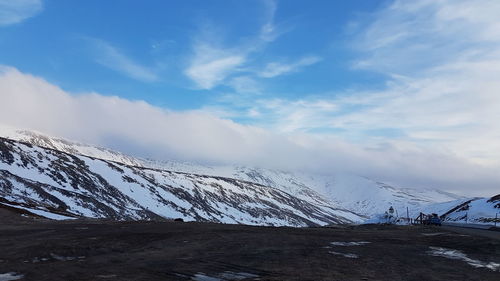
x=477, y=210
x=440, y=208
x=274, y=179
x=462, y=211
x=76, y=185
x=285, y=181
x=359, y=194
x=63, y=145
x=363, y=195
x=371, y=197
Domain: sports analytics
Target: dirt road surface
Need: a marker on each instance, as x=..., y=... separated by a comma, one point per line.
x=493, y=234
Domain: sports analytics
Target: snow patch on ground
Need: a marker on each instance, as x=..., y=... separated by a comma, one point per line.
x=203, y=277
x=346, y=255
x=227, y=275
x=344, y=244
x=63, y=258
x=10, y=276
x=42, y=213
x=458, y=255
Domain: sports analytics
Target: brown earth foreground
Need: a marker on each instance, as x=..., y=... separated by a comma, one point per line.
x=98, y=250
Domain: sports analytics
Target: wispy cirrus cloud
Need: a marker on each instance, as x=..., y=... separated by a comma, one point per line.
x=245, y=84
x=210, y=65
x=16, y=11
x=213, y=63
x=407, y=38
x=274, y=69
x=111, y=57
x=443, y=59
x=269, y=31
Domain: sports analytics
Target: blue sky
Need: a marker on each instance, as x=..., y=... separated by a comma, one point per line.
x=401, y=91
x=142, y=50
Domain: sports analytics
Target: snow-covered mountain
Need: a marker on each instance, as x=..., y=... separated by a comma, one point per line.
x=371, y=197
x=341, y=191
x=477, y=210
x=359, y=194
x=48, y=180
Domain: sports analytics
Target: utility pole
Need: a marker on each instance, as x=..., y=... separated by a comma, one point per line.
x=408, y=215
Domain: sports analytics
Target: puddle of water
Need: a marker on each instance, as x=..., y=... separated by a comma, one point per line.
x=346, y=255
x=347, y=244
x=458, y=255
x=9, y=276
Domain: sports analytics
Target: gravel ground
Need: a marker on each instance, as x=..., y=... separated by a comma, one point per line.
x=104, y=250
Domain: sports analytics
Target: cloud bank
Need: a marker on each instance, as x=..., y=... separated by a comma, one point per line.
x=141, y=129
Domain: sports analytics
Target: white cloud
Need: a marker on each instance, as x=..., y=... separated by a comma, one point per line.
x=139, y=128
x=269, y=32
x=245, y=84
x=111, y=57
x=275, y=68
x=443, y=62
x=16, y=11
x=211, y=65
x=442, y=96
x=408, y=37
x=285, y=116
